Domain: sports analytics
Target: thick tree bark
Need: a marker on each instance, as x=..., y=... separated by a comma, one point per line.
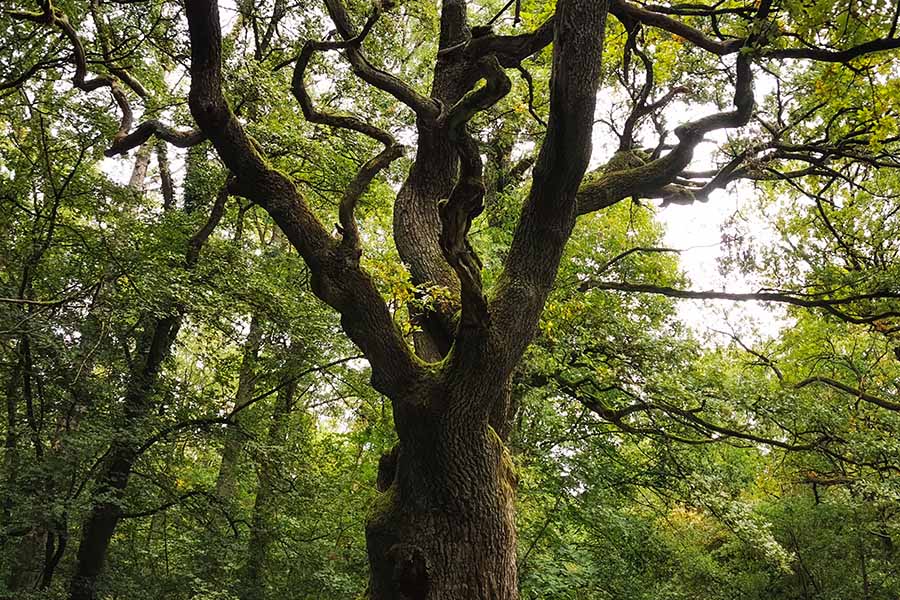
x=417, y=224
x=444, y=528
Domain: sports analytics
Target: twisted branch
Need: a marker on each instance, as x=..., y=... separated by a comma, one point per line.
x=466, y=198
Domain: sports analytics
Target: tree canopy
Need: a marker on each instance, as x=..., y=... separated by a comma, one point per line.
x=349, y=299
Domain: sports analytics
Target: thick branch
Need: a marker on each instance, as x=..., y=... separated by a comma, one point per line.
x=549, y=212
x=650, y=178
x=341, y=284
x=510, y=50
x=627, y=13
x=466, y=199
x=148, y=129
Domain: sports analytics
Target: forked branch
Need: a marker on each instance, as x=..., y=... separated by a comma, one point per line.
x=342, y=285
x=368, y=171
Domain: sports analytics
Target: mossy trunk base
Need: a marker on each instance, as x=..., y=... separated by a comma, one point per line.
x=444, y=529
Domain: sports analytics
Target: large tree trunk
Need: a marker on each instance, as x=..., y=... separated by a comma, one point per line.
x=444, y=528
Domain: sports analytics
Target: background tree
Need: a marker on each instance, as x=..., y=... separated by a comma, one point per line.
x=797, y=99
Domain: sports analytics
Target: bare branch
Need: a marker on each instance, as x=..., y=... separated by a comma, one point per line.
x=421, y=105
x=850, y=390
x=835, y=56
x=828, y=304
x=298, y=87
x=627, y=13
x=151, y=128
x=650, y=178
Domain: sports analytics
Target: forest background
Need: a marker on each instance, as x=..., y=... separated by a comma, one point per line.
x=241, y=344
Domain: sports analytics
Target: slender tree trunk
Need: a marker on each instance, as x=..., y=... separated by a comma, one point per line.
x=265, y=507
x=235, y=439
x=19, y=573
x=11, y=443
x=25, y=569
x=39, y=551
x=23, y=574
x=141, y=164
x=97, y=530
x=153, y=347
x=167, y=186
x=229, y=468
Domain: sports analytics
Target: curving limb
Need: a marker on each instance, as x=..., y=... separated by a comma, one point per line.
x=342, y=121
x=53, y=17
x=833, y=383
x=662, y=17
x=125, y=139
x=628, y=13
x=153, y=128
x=357, y=188
x=456, y=214
x=340, y=283
x=510, y=50
x=529, y=81
x=367, y=171
x=421, y=105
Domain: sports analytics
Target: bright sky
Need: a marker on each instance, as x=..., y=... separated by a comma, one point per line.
x=698, y=230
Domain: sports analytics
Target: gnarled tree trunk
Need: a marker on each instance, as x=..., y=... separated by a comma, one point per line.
x=444, y=527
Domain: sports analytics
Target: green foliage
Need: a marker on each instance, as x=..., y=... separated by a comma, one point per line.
x=651, y=465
